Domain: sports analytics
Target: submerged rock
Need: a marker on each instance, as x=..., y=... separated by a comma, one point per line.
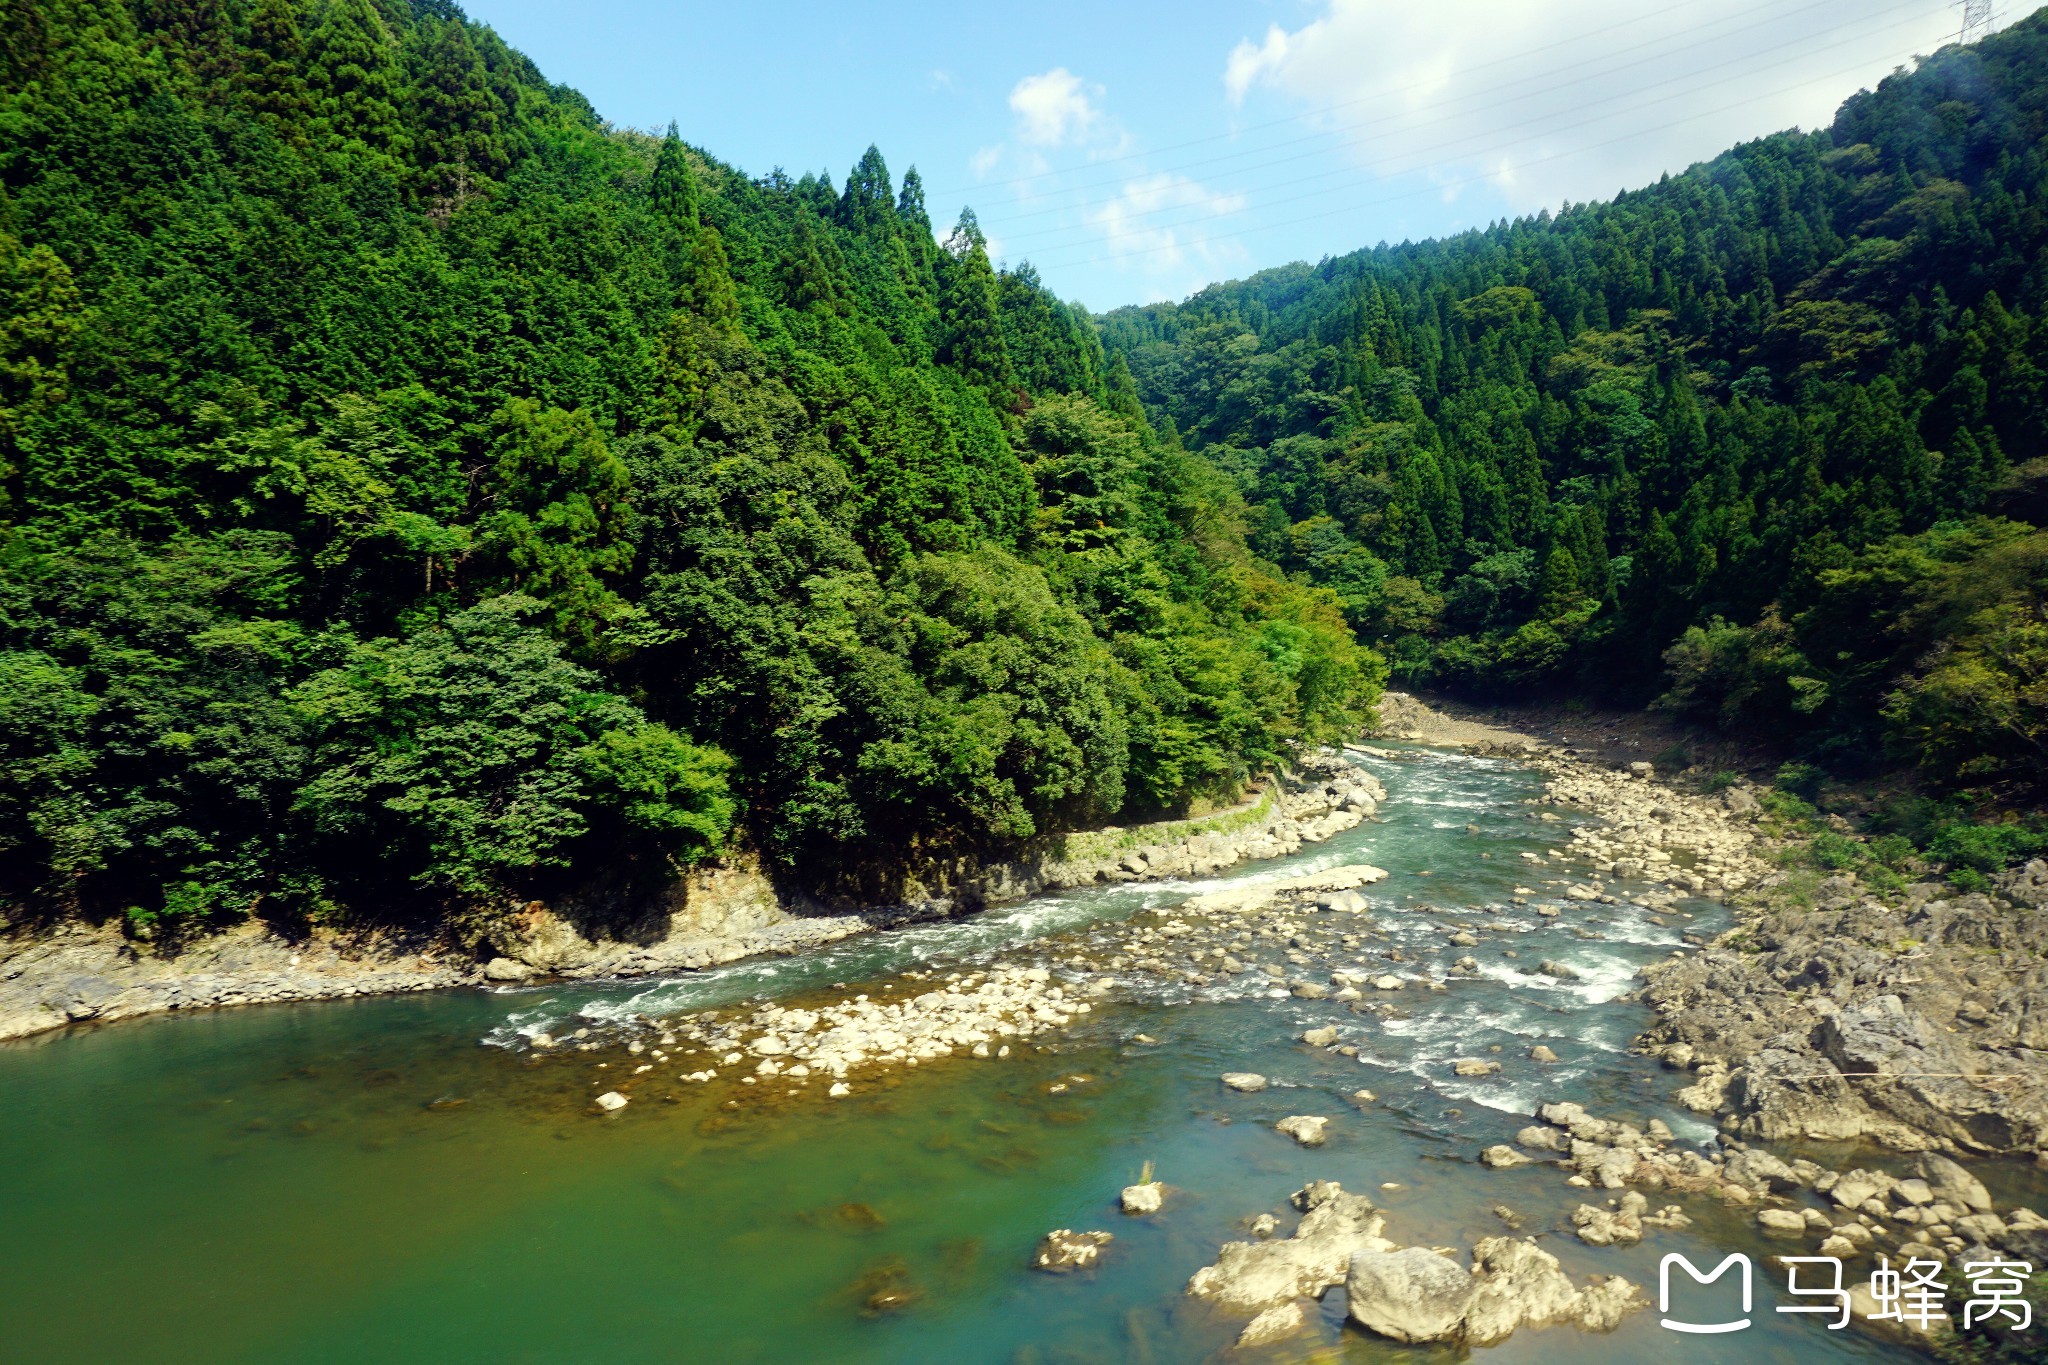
x=1063, y=1250
x=1607, y=1227
x=1275, y=1324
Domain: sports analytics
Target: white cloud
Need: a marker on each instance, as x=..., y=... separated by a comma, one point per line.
x=1549, y=100
x=1247, y=64
x=1054, y=108
x=984, y=160
x=1168, y=251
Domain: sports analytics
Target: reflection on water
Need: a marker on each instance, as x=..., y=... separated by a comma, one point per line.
x=360, y=1181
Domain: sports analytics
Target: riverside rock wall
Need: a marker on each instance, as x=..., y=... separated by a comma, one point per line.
x=719, y=913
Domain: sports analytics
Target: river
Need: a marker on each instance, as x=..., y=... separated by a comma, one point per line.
x=403, y=1179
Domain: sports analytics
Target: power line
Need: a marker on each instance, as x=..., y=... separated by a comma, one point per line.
x=1544, y=81
x=1438, y=187
x=1377, y=95
x=1070, y=235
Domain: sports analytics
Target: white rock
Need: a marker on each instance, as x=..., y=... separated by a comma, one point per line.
x=1063, y=1250
x=1250, y=1277
x=1409, y=1295
x=610, y=1101
x=1781, y=1222
x=1142, y=1199
x=1307, y=1129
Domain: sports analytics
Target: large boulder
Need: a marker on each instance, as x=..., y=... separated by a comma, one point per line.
x=1250, y=1277
x=1854, y=1187
x=1911, y=1070
x=1951, y=1184
x=1418, y=1295
x=1409, y=1295
x=1761, y=1171
x=1310, y=1130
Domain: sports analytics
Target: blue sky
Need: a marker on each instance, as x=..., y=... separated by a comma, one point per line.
x=1136, y=152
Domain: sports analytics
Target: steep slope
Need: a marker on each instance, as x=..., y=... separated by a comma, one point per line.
x=419, y=493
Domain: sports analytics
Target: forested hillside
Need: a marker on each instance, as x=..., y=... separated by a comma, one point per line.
x=417, y=489
x=1764, y=438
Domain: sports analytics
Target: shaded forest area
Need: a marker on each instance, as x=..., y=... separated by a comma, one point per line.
x=416, y=492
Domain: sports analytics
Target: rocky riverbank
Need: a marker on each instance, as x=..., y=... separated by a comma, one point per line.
x=1937, y=1211
x=77, y=973
x=1914, y=1018
x=1834, y=1010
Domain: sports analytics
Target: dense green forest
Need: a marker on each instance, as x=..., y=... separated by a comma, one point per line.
x=1763, y=441
x=415, y=491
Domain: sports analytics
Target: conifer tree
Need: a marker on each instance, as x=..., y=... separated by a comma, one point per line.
x=197, y=36
x=356, y=80
x=1122, y=389
x=1557, y=591
x=867, y=205
x=709, y=286
x=461, y=139
x=971, y=330
x=273, y=76
x=673, y=187
x=811, y=270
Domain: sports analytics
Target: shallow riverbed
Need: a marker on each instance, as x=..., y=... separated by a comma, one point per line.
x=405, y=1179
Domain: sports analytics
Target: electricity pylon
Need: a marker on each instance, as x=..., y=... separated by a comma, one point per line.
x=1976, y=20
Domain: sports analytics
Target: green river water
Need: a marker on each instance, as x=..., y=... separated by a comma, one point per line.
x=403, y=1180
